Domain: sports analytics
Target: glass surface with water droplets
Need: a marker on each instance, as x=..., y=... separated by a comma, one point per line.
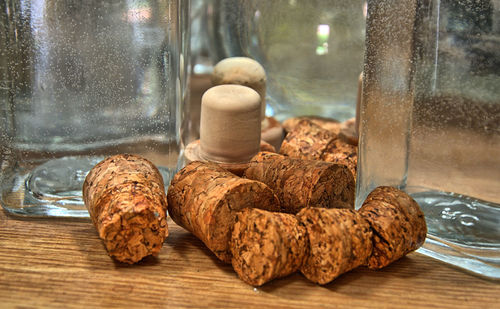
x=431, y=121
x=83, y=80
x=312, y=51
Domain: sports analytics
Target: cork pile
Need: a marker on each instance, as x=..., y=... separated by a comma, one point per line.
x=269, y=234
x=284, y=215
x=270, y=216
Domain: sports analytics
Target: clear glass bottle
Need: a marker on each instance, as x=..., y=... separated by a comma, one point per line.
x=81, y=80
x=311, y=50
x=430, y=121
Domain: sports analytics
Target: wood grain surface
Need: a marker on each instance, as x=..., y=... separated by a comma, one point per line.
x=62, y=263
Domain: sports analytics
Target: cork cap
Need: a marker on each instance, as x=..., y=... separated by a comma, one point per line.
x=230, y=124
x=242, y=71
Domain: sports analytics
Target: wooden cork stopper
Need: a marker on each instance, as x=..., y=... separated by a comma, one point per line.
x=302, y=183
x=242, y=71
x=309, y=141
x=229, y=124
x=339, y=241
x=204, y=199
x=398, y=224
x=230, y=132
x=126, y=200
x=266, y=245
x=248, y=72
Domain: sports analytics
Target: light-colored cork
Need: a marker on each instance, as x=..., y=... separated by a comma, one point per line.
x=248, y=72
x=229, y=124
x=242, y=71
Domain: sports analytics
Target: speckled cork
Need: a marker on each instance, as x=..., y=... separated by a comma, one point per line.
x=242, y=71
x=303, y=183
x=267, y=245
x=204, y=199
x=126, y=200
x=398, y=224
x=328, y=124
x=309, y=141
x=339, y=240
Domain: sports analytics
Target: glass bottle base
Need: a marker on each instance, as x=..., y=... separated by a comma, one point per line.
x=462, y=231
x=52, y=189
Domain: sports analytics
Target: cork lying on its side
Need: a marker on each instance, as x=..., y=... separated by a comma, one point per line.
x=126, y=200
x=266, y=245
x=204, y=198
x=342, y=153
x=306, y=141
x=302, y=183
x=309, y=141
x=398, y=225
x=339, y=241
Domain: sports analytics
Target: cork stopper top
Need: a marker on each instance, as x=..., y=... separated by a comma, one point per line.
x=230, y=124
x=242, y=71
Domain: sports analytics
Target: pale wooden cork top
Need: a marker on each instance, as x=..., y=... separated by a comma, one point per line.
x=230, y=125
x=242, y=71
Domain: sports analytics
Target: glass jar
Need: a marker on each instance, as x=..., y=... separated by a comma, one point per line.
x=430, y=121
x=81, y=80
x=312, y=51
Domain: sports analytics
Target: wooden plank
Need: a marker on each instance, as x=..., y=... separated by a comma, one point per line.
x=62, y=263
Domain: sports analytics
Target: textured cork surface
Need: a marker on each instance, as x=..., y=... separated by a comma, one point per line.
x=339, y=241
x=398, y=225
x=266, y=245
x=328, y=124
x=204, y=199
x=309, y=141
x=302, y=183
x=126, y=200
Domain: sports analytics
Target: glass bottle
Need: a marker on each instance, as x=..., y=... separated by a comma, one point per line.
x=312, y=50
x=430, y=121
x=82, y=80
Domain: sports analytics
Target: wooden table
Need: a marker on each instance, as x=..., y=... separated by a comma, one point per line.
x=62, y=263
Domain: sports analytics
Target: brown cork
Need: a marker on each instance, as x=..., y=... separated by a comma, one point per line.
x=204, y=198
x=126, y=200
x=328, y=124
x=306, y=141
x=266, y=245
x=398, y=225
x=339, y=241
x=309, y=141
x=340, y=152
x=302, y=183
